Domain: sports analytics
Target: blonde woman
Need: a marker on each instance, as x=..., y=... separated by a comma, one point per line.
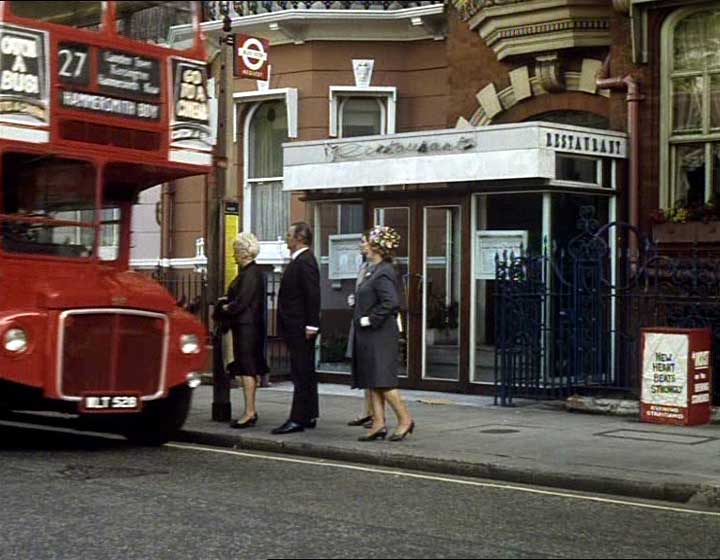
x=244, y=313
x=376, y=354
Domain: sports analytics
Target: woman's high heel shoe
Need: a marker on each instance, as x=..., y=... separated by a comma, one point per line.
x=249, y=423
x=380, y=434
x=399, y=437
x=360, y=421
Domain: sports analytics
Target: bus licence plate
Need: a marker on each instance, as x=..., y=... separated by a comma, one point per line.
x=97, y=402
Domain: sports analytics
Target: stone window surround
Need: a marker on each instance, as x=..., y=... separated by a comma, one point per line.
x=388, y=94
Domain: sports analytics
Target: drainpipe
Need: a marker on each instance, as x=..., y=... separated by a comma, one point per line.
x=629, y=84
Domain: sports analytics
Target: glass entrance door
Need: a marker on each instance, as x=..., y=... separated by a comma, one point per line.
x=442, y=285
x=399, y=218
x=430, y=263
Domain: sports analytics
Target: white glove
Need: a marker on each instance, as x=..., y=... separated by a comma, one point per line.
x=364, y=321
x=351, y=300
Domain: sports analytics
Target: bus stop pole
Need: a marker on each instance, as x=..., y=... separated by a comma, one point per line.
x=221, y=406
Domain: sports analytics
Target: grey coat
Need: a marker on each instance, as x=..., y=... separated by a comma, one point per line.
x=376, y=356
x=364, y=268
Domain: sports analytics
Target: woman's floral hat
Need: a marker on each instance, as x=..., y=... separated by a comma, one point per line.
x=384, y=237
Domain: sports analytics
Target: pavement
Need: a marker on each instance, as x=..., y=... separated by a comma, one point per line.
x=534, y=442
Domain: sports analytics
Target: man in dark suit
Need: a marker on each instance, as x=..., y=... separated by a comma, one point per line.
x=299, y=323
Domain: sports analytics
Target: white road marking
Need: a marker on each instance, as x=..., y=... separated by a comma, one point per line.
x=464, y=482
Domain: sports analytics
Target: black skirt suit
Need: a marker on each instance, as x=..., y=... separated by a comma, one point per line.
x=244, y=315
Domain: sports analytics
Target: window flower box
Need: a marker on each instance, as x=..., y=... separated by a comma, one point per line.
x=688, y=232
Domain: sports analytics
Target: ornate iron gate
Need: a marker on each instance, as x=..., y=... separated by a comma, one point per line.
x=568, y=320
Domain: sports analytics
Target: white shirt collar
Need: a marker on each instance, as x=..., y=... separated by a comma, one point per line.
x=297, y=253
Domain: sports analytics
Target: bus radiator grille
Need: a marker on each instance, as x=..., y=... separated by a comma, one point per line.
x=112, y=352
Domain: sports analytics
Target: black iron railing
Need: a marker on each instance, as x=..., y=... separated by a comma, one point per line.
x=569, y=320
x=277, y=354
x=213, y=10
x=189, y=288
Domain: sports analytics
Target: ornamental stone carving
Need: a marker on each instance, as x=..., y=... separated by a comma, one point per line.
x=534, y=27
x=549, y=72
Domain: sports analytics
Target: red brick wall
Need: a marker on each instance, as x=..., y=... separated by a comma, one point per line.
x=437, y=82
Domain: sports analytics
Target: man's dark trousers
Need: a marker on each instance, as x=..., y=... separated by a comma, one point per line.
x=299, y=308
x=302, y=372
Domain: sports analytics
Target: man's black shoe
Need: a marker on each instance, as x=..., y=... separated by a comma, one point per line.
x=288, y=427
x=310, y=425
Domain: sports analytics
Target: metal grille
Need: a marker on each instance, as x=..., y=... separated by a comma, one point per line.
x=278, y=357
x=214, y=10
x=189, y=288
x=566, y=323
x=111, y=351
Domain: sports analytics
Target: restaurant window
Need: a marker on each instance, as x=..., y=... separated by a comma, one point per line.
x=577, y=169
x=270, y=214
x=338, y=226
x=691, y=107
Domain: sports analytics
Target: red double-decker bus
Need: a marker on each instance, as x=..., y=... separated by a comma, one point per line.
x=98, y=101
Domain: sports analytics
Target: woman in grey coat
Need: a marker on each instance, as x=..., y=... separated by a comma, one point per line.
x=365, y=417
x=376, y=355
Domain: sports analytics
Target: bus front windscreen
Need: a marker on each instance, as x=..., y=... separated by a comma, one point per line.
x=48, y=206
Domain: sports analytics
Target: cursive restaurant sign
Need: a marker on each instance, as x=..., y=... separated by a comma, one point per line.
x=396, y=148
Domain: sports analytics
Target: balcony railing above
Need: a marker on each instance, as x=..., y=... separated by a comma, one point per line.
x=214, y=10
x=294, y=21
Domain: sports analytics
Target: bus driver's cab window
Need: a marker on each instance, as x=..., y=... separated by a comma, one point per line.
x=48, y=206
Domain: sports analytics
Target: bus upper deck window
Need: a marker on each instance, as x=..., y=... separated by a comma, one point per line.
x=168, y=24
x=81, y=15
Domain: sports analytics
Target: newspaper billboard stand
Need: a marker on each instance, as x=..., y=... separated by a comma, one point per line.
x=676, y=376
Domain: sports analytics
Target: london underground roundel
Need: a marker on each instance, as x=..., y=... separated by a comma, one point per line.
x=252, y=57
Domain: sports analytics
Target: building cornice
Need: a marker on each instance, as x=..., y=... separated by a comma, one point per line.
x=534, y=27
x=299, y=26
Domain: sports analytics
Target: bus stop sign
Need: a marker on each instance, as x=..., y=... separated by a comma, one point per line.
x=252, y=57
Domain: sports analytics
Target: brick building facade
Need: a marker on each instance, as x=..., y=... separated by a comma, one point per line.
x=446, y=150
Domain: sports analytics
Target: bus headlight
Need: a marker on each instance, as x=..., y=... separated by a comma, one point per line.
x=189, y=344
x=194, y=380
x=16, y=341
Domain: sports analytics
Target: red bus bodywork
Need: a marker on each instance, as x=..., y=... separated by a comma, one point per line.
x=84, y=108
